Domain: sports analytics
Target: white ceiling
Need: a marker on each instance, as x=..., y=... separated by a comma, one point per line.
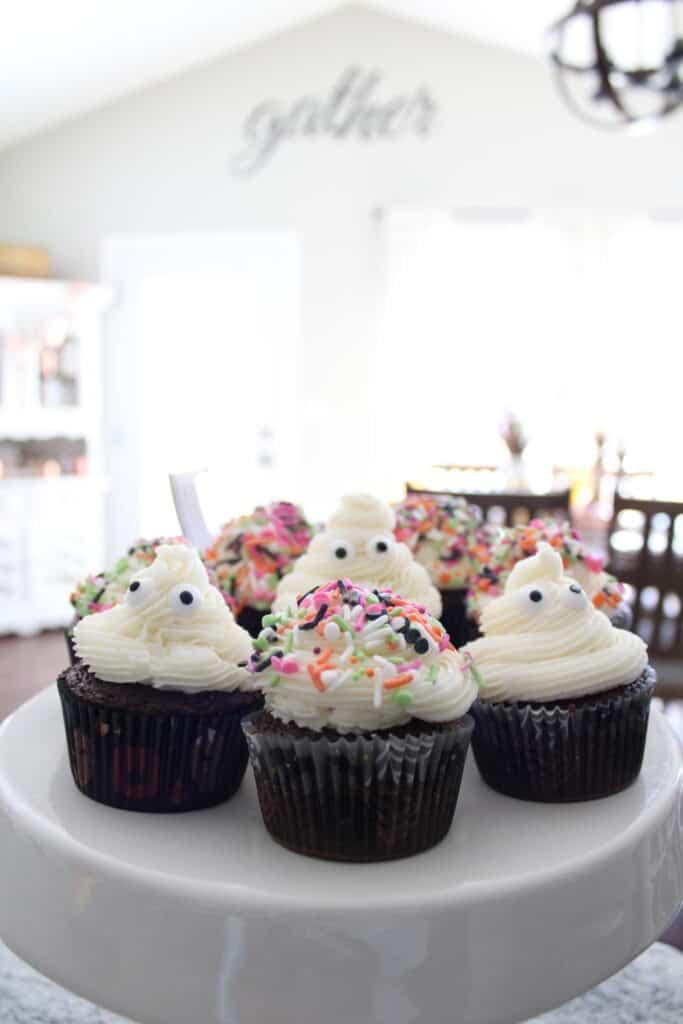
x=61, y=59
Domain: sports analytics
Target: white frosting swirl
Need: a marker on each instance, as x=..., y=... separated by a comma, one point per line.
x=544, y=640
x=174, y=631
x=367, y=663
x=358, y=543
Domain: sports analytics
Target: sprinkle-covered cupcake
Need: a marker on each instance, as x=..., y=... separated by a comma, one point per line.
x=102, y=591
x=449, y=537
x=520, y=542
x=358, y=543
x=359, y=752
x=253, y=553
x=153, y=708
x=564, y=697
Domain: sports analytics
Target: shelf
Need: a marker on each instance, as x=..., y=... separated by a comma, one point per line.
x=203, y=917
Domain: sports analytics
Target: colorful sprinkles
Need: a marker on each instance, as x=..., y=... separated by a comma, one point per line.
x=341, y=633
x=447, y=535
x=252, y=553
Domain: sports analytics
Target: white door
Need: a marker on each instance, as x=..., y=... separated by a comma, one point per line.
x=200, y=372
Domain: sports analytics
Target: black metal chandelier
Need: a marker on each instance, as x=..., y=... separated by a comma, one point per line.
x=619, y=63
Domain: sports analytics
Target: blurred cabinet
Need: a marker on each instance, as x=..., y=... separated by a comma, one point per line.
x=51, y=452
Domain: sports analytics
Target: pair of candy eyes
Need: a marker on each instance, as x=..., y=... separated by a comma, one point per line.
x=533, y=599
x=377, y=546
x=183, y=599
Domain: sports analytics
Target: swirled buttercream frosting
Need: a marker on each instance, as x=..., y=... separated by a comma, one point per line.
x=516, y=543
x=100, y=591
x=545, y=640
x=358, y=543
x=252, y=553
x=355, y=659
x=172, y=631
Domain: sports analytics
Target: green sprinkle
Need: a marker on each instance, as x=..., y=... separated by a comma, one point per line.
x=342, y=623
x=289, y=642
x=433, y=673
x=261, y=643
x=396, y=659
x=275, y=681
x=270, y=620
x=403, y=698
x=357, y=674
x=475, y=675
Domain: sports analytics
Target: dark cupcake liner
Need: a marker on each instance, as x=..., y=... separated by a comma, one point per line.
x=566, y=751
x=358, y=798
x=145, y=761
x=250, y=619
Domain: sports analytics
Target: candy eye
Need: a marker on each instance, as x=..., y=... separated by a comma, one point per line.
x=139, y=592
x=532, y=600
x=342, y=550
x=574, y=597
x=381, y=545
x=184, y=599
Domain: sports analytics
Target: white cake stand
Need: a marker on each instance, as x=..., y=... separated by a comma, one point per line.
x=203, y=918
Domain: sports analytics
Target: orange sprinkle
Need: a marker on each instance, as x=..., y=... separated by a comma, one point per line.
x=370, y=672
x=325, y=657
x=402, y=680
x=314, y=673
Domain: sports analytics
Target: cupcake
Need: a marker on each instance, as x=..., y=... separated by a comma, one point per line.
x=359, y=752
x=359, y=544
x=564, y=697
x=98, y=593
x=519, y=542
x=451, y=540
x=253, y=553
x=153, y=708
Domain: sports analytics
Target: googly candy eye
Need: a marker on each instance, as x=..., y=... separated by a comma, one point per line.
x=139, y=592
x=184, y=599
x=532, y=600
x=574, y=597
x=342, y=550
x=380, y=546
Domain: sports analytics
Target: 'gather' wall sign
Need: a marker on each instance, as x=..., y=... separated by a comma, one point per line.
x=351, y=109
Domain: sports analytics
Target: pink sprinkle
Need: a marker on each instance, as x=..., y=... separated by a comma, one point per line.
x=444, y=642
x=288, y=665
x=411, y=666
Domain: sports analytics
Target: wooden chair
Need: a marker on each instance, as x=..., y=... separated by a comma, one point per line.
x=511, y=509
x=645, y=551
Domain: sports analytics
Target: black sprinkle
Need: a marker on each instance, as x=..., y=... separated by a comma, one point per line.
x=422, y=645
x=412, y=635
x=319, y=616
x=262, y=665
x=307, y=594
x=242, y=664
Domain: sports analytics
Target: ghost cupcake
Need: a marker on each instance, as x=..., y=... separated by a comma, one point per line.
x=100, y=591
x=152, y=710
x=520, y=542
x=564, y=697
x=359, y=752
x=358, y=543
x=252, y=554
x=449, y=537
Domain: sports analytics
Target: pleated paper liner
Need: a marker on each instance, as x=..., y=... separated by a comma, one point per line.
x=140, y=760
x=562, y=752
x=370, y=797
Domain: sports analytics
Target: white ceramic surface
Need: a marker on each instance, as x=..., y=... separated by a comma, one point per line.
x=201, y=917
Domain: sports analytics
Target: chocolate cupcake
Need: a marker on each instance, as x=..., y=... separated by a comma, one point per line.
x=358, y=543
x=564, y=697
x=153, y=711
x=103, y=590
x=359, y=753
x=253, y=553
x=449, y=537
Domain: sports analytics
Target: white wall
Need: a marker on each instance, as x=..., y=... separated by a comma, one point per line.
x=159, y=161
